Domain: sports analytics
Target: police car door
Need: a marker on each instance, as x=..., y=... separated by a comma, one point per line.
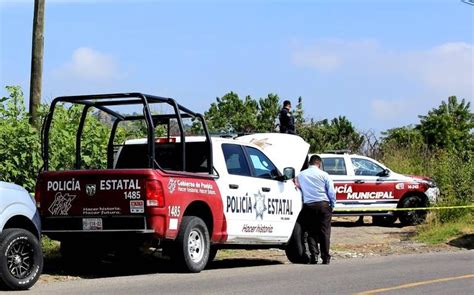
x=276, y=203
x=237, y=190
x=371, y=185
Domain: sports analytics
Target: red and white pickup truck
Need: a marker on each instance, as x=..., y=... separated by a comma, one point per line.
x=189, y=195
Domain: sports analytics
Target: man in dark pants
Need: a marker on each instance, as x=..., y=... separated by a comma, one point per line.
x=287, y=121
x=319, y=199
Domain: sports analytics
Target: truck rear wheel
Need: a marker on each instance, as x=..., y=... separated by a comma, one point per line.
x=21, y=259
x=193, y=246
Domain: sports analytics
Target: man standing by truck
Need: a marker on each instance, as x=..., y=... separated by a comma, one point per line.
x=319, y=199
x=287, y=121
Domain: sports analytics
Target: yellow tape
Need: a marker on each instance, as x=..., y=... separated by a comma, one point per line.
x=403, y=209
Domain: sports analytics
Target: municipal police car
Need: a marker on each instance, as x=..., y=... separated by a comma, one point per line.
x=366, y=187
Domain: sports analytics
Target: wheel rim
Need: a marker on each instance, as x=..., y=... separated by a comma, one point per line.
x=20, y=259
x=195, y=245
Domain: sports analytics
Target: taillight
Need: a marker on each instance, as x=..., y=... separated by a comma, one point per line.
x=154, y=194
x=38, y=194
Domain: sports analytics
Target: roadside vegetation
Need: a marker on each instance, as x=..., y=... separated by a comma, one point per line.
x=440, y=146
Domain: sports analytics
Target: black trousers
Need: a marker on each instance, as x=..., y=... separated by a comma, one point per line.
x=317, y=218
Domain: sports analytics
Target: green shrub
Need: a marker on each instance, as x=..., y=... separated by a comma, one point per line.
x=453, y=173
x=20, y=157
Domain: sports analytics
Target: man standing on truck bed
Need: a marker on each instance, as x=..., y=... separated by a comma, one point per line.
x=319, y=199
x=287, y=121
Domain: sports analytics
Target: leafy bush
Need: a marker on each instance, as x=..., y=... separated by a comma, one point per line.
x=20, y=157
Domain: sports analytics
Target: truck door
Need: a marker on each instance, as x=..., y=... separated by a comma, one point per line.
x=258, y=208
x=277, y=203
x=236, y=190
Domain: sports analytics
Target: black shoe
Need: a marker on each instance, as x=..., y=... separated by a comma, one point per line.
x=313, y=260
x=326, y=261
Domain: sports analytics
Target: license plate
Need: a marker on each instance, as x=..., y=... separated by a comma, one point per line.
x=92, y=223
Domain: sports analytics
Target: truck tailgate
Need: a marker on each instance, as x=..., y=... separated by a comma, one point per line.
x=93, y=199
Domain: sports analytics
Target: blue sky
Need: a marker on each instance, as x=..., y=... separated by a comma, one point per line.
x=379, y=63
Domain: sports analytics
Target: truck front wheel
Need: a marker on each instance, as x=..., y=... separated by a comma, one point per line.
x=412, y=217
x=193, y=244
x=295, y=249
x=21, y=259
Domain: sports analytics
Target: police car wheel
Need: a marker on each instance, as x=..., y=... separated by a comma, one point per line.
x=21, y=259
x=295, y=249
x=412, y=217
x=193, y=244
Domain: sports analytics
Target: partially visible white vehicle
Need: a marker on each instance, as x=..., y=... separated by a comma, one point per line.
x=21, y=257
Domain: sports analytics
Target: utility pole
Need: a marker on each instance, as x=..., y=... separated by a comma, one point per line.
x=36, y=61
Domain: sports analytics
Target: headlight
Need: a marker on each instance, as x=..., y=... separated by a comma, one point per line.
x=431, y=183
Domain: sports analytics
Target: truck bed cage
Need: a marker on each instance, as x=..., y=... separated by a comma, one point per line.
x=103, y=102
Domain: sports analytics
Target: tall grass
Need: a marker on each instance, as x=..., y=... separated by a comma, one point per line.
x=452, y=171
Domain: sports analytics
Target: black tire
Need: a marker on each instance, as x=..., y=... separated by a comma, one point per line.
x=192, y=245
x=295, y=249
x=387, y=220
x=21, y=259
x=412, y=217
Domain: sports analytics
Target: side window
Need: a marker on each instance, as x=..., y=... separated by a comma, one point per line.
x=235, y=160
x=334, y=166
x=261, y=166
x=365, y=167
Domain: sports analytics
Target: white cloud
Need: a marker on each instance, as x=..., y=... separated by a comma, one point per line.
x=445, y=69
x=87, y=64
x=331, y=54
x=420, y=79
x=388, y=110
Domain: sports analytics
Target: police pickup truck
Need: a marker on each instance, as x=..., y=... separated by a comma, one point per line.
x=366, y=187
x=21, y=257
x=186, y=195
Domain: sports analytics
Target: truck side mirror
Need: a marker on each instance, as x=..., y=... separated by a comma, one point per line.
x=288, y=173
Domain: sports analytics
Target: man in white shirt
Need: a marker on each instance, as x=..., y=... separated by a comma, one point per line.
x=319, y=199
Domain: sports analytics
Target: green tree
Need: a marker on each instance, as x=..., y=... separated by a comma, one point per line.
x=450, y=126
x=231, y=114
x=343, y=135
x=299, y=114
x=268, y=111
x=402, y=136
x=323, y=135
x=19, y=142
